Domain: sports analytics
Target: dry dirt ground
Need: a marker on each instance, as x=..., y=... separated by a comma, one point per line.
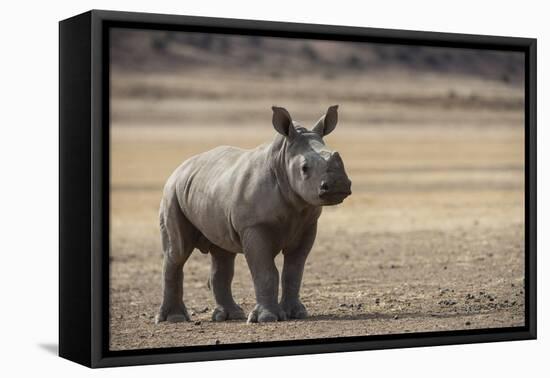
x=431, y=239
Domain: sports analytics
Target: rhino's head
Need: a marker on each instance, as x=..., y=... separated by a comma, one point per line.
x=315, y=172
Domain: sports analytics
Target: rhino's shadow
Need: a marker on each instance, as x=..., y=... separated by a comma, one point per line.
x=378, y=316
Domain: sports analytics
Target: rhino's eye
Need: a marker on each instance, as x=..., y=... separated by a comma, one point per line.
x=305, y=168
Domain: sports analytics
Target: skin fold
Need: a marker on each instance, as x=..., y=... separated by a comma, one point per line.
x=258, y=202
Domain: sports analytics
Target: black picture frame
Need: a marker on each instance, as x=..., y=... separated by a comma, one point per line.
x=84, y=188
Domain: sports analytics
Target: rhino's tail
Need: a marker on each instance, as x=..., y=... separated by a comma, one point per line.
x=163, y=233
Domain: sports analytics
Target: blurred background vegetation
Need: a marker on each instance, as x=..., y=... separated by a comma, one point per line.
x=148, y=51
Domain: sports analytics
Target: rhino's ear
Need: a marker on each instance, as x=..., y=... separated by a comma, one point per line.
x=282, y=122
x=328, y=122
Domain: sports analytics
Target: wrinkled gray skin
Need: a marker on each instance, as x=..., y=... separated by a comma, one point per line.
x=257, y=202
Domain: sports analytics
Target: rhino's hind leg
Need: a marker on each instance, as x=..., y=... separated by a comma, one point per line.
x=177, y=235
x=221, y=276
x=172, y=308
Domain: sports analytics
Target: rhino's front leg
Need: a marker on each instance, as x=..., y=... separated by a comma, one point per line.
x=260, y=248
x=293, y=269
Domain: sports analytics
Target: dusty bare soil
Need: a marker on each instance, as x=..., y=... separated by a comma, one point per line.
x=431, y=239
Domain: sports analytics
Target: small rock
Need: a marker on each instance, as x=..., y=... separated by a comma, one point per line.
x=198, y=322
x=218, y=342
x=467, y=323
x=396, y=317
x=343, y=305
x=445, y=267
x=193, y=313
x=377, y=300
x=447, y=302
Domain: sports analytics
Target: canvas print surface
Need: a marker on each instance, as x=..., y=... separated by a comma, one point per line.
x=419, y=174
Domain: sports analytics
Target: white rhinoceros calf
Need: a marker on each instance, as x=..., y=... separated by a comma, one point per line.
x=257, y=202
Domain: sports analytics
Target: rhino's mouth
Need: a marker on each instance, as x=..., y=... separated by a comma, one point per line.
x=334, y=198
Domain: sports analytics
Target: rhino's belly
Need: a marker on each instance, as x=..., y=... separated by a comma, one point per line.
x=210, y=216
x=222, y=236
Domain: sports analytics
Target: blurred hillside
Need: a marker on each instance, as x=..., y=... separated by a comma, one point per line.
x=150, y=51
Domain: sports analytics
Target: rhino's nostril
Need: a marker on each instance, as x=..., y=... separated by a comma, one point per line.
x=324, y=186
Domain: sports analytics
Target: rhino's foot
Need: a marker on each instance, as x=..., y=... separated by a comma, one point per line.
x=222, y=313
x=174, y=314
x=294, y=309
x=263, y=314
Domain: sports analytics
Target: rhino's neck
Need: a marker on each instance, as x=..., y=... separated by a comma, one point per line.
x=278, y=163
